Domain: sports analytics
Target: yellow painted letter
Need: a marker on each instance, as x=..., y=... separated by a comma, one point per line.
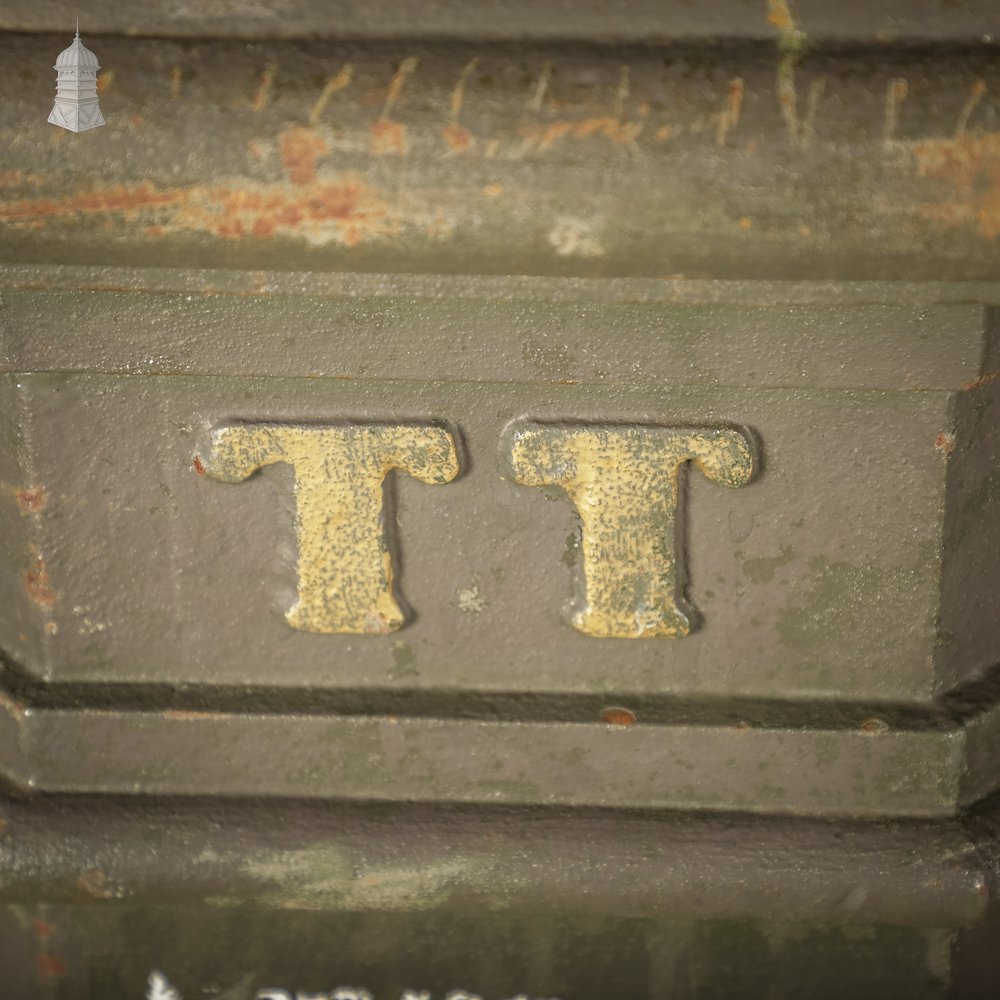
x=344, y=564
x=623, y=480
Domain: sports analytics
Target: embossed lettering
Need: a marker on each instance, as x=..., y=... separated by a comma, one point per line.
x=344, y=563
x=624, y=482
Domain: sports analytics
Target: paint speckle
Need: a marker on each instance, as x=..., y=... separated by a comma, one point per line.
x=470, y=601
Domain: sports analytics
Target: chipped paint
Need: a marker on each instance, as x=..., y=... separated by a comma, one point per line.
x=94, y=883
x=624, y=483
x=571, y=237
x=945, y=442
x=470, y=601
x=344, y=568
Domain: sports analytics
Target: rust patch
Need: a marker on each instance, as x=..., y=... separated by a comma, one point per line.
x=32, y=501
x=970, y=164
x=50, y=966
x=387, y=137
x=457, y=138
x=37, y=582
x=300, y=149
x=618, y=717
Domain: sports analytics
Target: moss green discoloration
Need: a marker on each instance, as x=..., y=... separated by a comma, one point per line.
x=845, y=599
x=762, y=568
x=404, y=661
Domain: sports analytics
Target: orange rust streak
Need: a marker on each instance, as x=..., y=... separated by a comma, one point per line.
x=300, y=149
x=117, y=199
x=982, y=380
x=347, y=210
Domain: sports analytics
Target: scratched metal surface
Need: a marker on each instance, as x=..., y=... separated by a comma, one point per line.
x=775, y=158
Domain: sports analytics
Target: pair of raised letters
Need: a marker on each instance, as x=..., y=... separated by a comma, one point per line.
x=622, y=478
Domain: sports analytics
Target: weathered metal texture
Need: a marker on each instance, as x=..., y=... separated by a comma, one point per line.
x=500, y=902
x=645, y=21
x=545, y=261
x=830, y=671
x=776, y=158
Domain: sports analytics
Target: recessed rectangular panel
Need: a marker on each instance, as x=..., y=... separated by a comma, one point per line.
x=804, y=581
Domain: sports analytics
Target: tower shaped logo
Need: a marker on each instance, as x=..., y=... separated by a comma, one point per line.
x=76, y=106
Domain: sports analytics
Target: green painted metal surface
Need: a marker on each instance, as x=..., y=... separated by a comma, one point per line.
x=767, y=223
